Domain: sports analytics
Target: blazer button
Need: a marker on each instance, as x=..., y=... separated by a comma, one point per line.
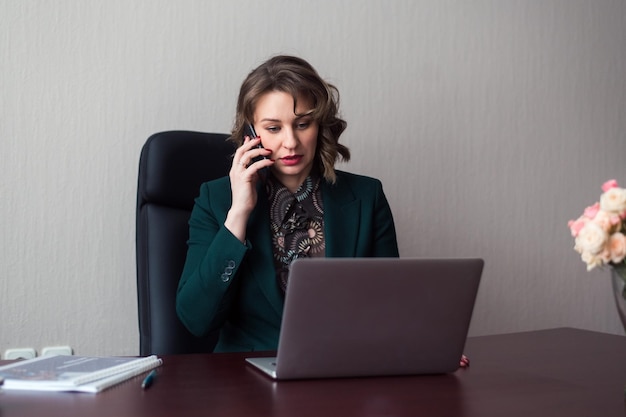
x=225, y=277
x=231, y=264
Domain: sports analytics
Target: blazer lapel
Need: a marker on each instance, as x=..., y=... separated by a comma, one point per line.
x=341, y=227
x=341, y=219
x=262, y=255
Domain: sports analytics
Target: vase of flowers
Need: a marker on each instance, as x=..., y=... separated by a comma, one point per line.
x=618, y=275
x=600, y=239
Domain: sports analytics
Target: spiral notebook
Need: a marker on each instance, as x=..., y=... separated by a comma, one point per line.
x=74, y=373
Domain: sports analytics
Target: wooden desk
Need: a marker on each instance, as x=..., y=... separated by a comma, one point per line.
x=561, y=372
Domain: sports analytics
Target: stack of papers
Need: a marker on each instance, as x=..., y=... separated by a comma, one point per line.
x=74, y=373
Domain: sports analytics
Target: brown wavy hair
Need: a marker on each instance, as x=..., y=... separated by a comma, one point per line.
x=295, y=76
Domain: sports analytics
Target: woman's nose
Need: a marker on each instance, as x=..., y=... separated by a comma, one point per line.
x=290, y=140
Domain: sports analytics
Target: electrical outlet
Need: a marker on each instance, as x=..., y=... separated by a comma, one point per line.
x=56, y=350
x=20, y=353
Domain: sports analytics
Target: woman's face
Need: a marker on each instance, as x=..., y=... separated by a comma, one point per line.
x=291, y=138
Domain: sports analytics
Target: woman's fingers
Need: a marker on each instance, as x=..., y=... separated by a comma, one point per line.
x=247, y=153
x=464, y=361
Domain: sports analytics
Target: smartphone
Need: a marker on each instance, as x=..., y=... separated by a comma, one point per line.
x=249, y=131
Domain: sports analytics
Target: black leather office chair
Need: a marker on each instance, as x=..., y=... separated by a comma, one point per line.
x=171, y=168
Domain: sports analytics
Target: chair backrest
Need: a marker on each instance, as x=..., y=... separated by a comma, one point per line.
x=172, y=167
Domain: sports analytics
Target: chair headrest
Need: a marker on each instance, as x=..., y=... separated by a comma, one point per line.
x=174, y=164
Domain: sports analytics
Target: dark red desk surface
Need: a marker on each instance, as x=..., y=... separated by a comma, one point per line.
x=560, y=372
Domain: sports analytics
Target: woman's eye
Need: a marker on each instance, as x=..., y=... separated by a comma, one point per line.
x=272, y=129
x=303, y=125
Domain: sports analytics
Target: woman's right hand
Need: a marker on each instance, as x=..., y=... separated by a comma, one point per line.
x=244, y=175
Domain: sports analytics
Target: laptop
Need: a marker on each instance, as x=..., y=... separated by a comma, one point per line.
x=358, y=317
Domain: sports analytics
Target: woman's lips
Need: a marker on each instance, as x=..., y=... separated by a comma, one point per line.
x=291, y=160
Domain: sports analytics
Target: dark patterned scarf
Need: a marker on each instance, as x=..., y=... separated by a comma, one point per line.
x=297, y=222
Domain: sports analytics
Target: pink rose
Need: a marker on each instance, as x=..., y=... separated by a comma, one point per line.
x=591, y=211
x=617, y=247
x=609, y=184
x=576, y=226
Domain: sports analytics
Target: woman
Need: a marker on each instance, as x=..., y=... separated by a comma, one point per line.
x=282, y=199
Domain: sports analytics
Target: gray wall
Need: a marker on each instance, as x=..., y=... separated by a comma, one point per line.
x=490, y=123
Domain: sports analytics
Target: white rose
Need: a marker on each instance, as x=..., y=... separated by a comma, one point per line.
x=591, y=260
x=614, y=200
x=604, y=219
x=592, y=239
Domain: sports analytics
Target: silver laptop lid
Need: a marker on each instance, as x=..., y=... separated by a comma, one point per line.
x=347, y=317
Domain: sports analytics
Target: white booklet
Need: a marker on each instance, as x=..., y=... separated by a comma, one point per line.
x=74, y=373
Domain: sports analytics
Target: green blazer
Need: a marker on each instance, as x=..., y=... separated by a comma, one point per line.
x=232, y=287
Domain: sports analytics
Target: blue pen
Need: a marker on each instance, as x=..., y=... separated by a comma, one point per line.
x=148, y=380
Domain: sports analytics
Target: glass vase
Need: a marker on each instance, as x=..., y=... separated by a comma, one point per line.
x=618, y=278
